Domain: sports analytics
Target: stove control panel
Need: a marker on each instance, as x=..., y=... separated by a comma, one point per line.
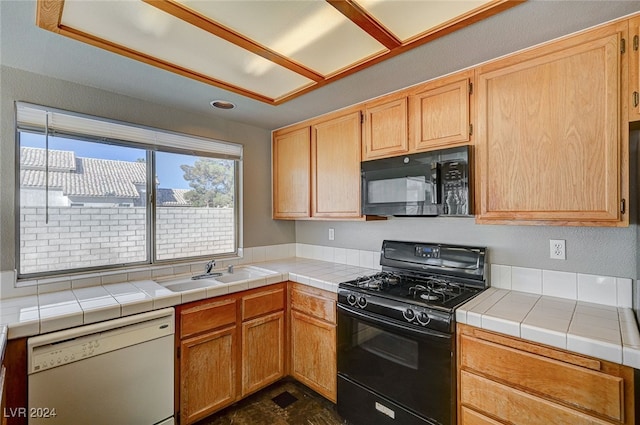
x=427, y=251
x=416, y=315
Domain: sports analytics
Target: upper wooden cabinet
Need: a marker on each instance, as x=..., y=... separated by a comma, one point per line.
x=385, y=128
x=634, y=68
x=291, y=152
x=335, y=166
x=552, y=133
x=316, y=168
x=439, y=113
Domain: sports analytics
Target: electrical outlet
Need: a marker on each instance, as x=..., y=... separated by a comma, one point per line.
x=332, y=234
x=557, y=249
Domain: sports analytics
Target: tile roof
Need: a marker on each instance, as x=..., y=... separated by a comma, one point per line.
x=89, y=177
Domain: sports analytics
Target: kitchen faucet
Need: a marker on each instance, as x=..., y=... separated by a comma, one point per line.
x=210, y=265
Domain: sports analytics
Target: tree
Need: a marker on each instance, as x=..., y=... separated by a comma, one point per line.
x=211, y=181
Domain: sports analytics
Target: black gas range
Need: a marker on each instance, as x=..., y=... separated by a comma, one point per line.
x=396, y=342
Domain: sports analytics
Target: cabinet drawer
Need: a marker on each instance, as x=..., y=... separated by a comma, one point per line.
x=515, y=406
x=206, y=317
x=313, y=304
x=264, y=302
x=471, y=417
x=576, y=386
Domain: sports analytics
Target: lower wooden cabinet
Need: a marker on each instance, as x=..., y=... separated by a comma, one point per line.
x=506, y=380
x=208, y=373
x=227, y=348
x=313, y=339
x=262, y=352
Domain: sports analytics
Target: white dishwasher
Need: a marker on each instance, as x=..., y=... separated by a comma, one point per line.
x=115, y=372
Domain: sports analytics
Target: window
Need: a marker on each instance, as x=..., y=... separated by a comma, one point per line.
x=88, y=200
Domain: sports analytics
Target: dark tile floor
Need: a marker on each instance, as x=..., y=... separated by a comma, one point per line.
x=286, y=402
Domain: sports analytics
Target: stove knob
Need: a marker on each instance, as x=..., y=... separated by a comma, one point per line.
x=423, y=318
x=409, y=315
x=351, y=299
x=362, y=302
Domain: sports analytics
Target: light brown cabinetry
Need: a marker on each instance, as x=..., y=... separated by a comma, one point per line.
x=634, y=69
x=263, y=339
x=335, y=166
x=385, y=128
x=207, y=358
x=291, y=152
x=552, y=133
x=313, y=339
x=228, y=347
x=316, y=168
x=505, y=380
x=439, y=113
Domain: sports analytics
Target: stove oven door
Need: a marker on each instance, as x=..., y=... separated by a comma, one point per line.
x=392, y=373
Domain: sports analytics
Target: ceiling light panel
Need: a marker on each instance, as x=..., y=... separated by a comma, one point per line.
x=146, y=29
x=310, y=32
x=408, y=19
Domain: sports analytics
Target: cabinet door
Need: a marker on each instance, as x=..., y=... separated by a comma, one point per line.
x=549, y=132
x=634, y=69
x=313, y=354
x=335, y=155
x=262, y=352
x=385, y=128
x=291, y=174
x=207, y=374
x=439, y=114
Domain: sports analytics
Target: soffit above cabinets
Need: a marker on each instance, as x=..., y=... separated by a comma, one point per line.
x=269, y=50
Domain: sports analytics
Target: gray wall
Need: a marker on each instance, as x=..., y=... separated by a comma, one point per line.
x=15, y=84
x=591, y=250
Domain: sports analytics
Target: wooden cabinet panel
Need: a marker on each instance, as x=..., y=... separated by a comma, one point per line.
x=313, y=354
x=471, y=417
x=207, y=316
x=513, y=381
x=549, y=132
x=588, y=389
x=291, y=173
x=634, y=69
x=262, y=352
x=517, y=407
x=335, y=159
x=263, y=302
x=385, y=128
x=439, y=113
x=315, y=304
x=208, y=374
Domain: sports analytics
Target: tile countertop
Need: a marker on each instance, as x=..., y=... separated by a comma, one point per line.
x=47, y=312
x=596, y=330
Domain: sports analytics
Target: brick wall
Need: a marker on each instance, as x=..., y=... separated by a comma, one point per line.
x=81, y=237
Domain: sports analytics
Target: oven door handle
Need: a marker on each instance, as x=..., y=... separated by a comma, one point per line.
x=386, y=323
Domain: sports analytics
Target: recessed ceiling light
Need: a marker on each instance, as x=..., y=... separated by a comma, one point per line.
x=222, y=104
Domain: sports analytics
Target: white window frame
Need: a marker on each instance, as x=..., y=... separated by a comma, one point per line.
x=53, y=121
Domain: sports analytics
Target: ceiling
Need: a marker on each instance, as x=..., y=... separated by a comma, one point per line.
x=25, y=46
x=272, y=50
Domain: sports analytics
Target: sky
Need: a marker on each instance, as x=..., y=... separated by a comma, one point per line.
x=168, y=168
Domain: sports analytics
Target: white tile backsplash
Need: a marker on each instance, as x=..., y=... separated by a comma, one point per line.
x=597, y=289
x=605, y=290
x=624, y=292
x=526, y=280
x=559, y=284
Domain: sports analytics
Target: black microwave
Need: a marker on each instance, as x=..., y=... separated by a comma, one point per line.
x=422, y=184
